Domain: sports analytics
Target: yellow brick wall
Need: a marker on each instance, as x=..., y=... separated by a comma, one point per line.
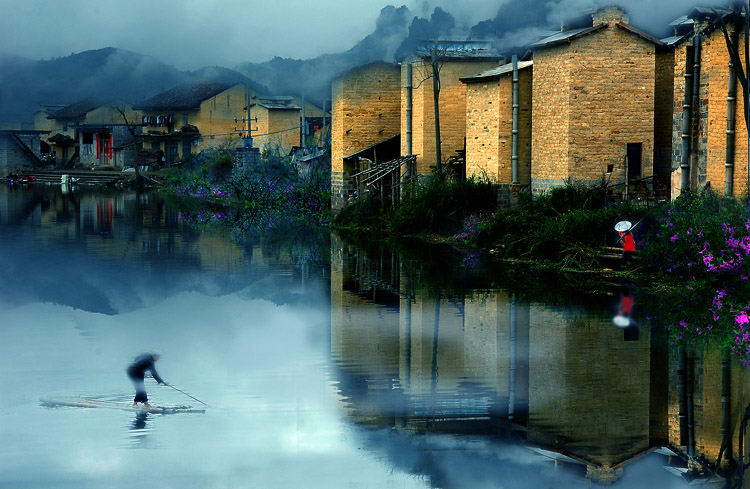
x=484, y=120
x=550, y=119
x=589, y=389
x=452, y=109
x=714, y=90
x=608, y=79
x=275, y=130
x=215, y=120
x=108, y=114
x=663, y=121
x=365, y=110
x=489, y=128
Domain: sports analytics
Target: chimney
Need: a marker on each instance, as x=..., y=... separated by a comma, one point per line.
x=610, y=14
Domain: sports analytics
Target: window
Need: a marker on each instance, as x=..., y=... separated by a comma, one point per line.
x=635, y=150
x=88, y=138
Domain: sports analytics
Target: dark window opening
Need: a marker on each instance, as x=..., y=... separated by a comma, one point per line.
x=88, y=138
x=635, y=150
x=610, y=168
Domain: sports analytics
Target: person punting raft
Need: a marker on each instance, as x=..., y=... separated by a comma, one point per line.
x=137, y=374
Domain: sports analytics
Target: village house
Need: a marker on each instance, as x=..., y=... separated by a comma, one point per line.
x=366, y=111
x=20, y=149
x=498, y=139
x=190, y=118
x=275, y=123
x=593, y=104
x=457, y=59
x=90, y=133
x=710, y=137
x=383, y=112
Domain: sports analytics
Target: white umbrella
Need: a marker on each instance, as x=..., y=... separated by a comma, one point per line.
x=623, y=226
x=621, y=321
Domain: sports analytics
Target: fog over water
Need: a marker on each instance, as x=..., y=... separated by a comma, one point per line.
x=302, y=374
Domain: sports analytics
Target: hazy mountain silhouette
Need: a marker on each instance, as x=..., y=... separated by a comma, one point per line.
x=107, y=74
x=111, y=74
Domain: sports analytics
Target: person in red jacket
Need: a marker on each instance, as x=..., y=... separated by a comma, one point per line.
x=628, y=247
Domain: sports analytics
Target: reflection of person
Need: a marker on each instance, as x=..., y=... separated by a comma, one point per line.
x=628, y=247
x=137, y=373
x=623, y=319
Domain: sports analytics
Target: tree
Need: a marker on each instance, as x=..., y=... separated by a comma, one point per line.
x=134, y=143
x=737, y=19
x=434, y=53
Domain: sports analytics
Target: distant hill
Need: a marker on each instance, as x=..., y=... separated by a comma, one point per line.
x=107, y=74
x=119, y=75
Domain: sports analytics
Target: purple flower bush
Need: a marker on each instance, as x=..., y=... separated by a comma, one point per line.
x=701, y=250
x=470, y=230
x=256, y=200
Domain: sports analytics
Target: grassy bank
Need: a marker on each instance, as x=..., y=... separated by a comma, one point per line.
x=570, y=226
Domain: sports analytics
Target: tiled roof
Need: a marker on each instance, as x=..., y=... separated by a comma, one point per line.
x=496, y=72
x=186, y=97
x=279, y=102
x=76, y=111
x=566, y=36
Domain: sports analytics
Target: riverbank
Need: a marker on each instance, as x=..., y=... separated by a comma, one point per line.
x=693, y=257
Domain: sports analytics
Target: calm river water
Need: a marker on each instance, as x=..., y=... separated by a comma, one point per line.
x=323, y=364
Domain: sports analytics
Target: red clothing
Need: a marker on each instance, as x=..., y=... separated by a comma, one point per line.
x=628, y=242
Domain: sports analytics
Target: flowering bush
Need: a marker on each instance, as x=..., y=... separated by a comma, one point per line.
x=470, y=230
x=701, y=247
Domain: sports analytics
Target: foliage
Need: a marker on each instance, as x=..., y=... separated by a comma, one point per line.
x=274, y=192
x=700, y=249
x=437, y=206
x=440, y=206
x=568, y=225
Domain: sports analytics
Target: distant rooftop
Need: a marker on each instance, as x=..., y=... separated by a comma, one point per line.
x=76, y=110
x=497, y=72
x=185, y=97
x=459, y=49
x=276, y=102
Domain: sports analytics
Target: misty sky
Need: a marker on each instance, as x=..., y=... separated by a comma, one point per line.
x=190, y=34
x=193, y=33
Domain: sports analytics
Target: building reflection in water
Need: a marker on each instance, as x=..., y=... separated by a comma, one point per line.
x=559, y=380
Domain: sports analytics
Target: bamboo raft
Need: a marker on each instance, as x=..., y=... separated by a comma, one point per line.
x=123, y=406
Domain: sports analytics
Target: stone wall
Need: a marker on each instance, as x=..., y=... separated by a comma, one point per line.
x=663, y=121
x=551, y=120
x=365, y=110
x=709, y=123
x=276, y=130
x=12, y=156
x=591, y=99
x=216, y=118
x=452, y=108
x=489, y=128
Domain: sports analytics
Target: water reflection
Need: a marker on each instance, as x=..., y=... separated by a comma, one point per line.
x=414, y=375
x=139, y=433
x=557, y=379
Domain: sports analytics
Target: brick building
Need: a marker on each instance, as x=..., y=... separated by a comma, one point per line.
x=275, y=123
x=217, y=110
x=19, y=149
x=703, y=129
x=489, y=124
x=593, y=104
x=365, y=111
x=457, y=60
x=91, y=133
